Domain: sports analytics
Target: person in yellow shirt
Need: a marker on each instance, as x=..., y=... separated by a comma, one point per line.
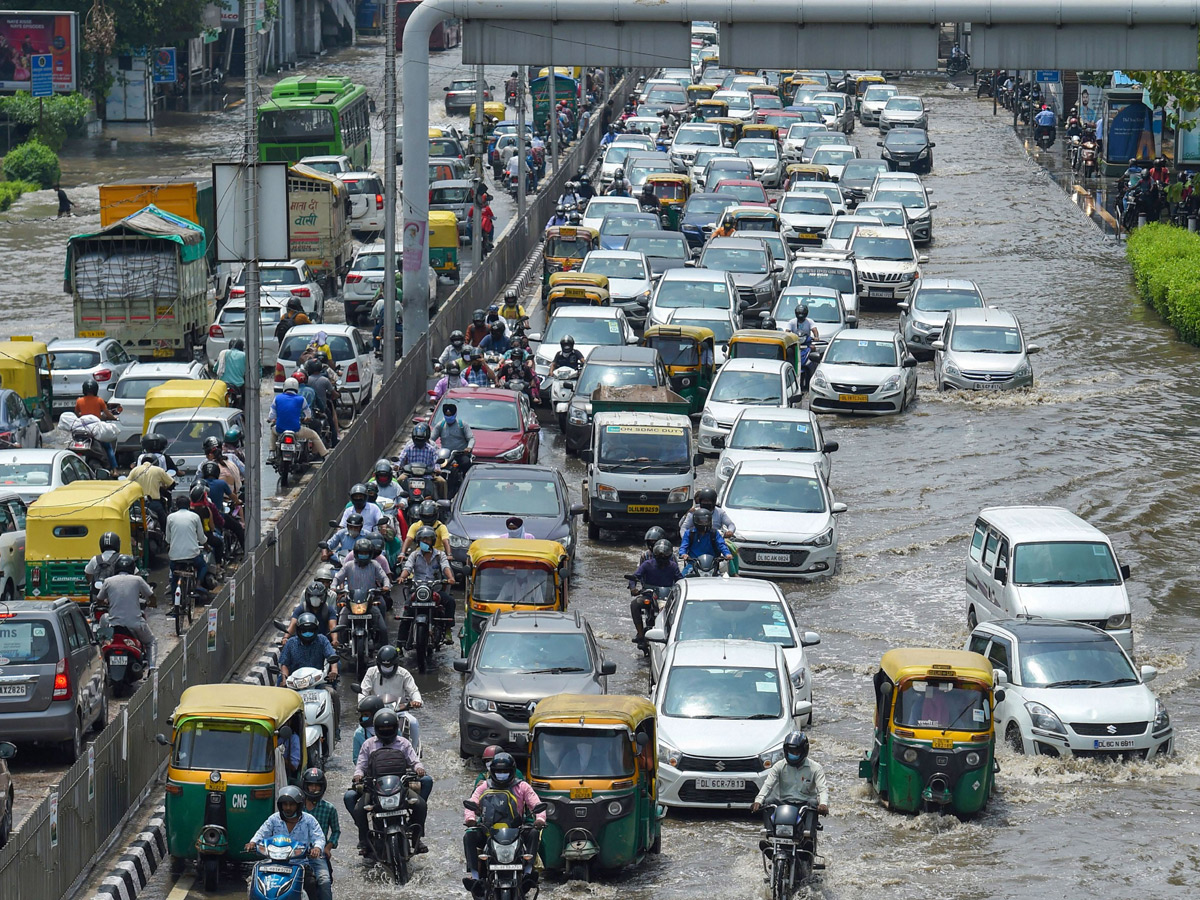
x=153, y=480
x=427, y=517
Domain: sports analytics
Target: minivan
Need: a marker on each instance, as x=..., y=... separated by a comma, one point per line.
x=1046, y=562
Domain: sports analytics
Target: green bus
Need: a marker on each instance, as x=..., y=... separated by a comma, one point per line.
x=315, y=117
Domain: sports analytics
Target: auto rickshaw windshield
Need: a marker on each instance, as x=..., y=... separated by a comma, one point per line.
x=677, y=351
x=574, y=752
x=943, y=705
x=226, y=746
x=564, y=248
x=513, y=584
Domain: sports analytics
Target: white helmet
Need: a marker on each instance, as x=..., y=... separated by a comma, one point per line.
x=291, y=385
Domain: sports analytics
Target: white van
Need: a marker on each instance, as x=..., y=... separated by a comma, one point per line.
x=1047, y=562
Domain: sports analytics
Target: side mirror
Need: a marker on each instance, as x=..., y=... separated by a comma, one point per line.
x=1124, y=570
x=910, y=362
x=744, y=305
x=795, y=399
x=1030, y=349
x=810, y=639
x=657, y=635
x=831, y=447
x=772, y=201
x=324, y=545
x=608, y=668
x=778, y=267
x=802, y=709
x=879, y=143
x=535, y=337
x=460, y=665
x=933, y=206
x=285, y=734
x=838, y=508
x=587, y=456
x=1149, y=673
x=642, y=739
x=356, y=688
x=333, y=523
x=938, y=345
x=1002, y=574
x=932, y=145
x=697, y=459
x=106, y=475
x=904, y=305
x=445, y=88
x=999, y=695
x=922, y=259
x=161, y=740
x=718, y=442
x=577, y=509
x=999, y=677
x=540, y=808
x=851, y=321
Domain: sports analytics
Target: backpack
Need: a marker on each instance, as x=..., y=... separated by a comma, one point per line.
x=285, y=322
x=498, y=809
x=387, y=759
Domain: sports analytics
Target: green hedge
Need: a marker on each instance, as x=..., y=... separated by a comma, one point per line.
x=11, y=190
x=1166, y=270
x=32, y=161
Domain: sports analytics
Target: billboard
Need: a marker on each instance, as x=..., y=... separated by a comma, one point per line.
x=24, y=35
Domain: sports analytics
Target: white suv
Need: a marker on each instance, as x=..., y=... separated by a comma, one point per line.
x=887, y=262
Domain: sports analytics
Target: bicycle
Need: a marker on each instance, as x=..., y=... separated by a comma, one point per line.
x=185, y=586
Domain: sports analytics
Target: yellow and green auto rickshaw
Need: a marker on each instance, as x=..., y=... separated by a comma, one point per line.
x=672, y=191
x=761, y=130
x=796, y=174
x=494, y=113
x=505, y=575
x=183, y=393
x=758, y=343
x=731, y=129
x=711, y=109
x=443, y=243
x=594, y=761
x=934, y=739
x=698, y=92
x=687, y=352
x=229, y=757
x=564, y=248
x=63, y=529
x=25, y=367
x=576, y=289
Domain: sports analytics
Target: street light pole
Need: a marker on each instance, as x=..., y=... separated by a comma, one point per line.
x=254, y=438
x=388, y=332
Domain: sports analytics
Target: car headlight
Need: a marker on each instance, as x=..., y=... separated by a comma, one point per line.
x=950, y=369
x=577, y=416
x=824, y=539
x=479, y=704
x=605, y=492
x=772, y=756
x=1025, y=370
x=923, y=153
x=884, y=154
x=708, y=421
x=820, y=382
x=763, y=288
x=923, y=327
x=565, y=540
x=1044, y=719
x=799, y=678
x=668, y=754
x=459, y=543
x=514, y=454
x=909, y=276
x=680, y=494
x=1162, y=719
x=725, y=471
x=891, y=385
x=1117, y=622
x=972, y=759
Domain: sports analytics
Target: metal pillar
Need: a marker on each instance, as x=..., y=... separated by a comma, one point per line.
x=388, y=335
x=521, y=173
x=254, y=417
x=480, y=151
x=552, y=118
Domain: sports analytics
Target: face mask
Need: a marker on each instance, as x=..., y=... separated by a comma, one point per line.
x=516, y=532
x=502, y=777
x=359, y=504
x=793, y=759
x=450, y=420
x=426, y=546
x=387, y=671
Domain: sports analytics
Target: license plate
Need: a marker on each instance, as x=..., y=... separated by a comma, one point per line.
x=165, y=352
x=852, y=398
x=773, y=557
x=634, y=508
x=312, y=696
x=986, y=386
x=518, y=737
x=581, y=793
x=721, y=784
x=218, y=786
x=1114, y=744
x=275, y=870
x=943, y=744
x=808, y=235
x=880, y=292
x=903, y=165
x=12, y=690
x=506, y=867
x=92, y=334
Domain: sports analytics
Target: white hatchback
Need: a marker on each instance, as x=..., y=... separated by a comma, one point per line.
x=741, y=383
x=350, y=353
x=782, y=435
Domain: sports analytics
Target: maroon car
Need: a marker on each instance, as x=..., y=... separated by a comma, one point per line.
x=747, y=191
x=504, y=423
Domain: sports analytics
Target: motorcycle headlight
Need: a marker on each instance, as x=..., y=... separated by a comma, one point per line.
x=514, y=454
x=1044, y=719
x=708, y=421
x=824, y=539
x=577, y=416
x=680, y=494
x=668, y=754
x=459, y=543
x=1115, y=623
x=820, y=382
x=950, y=369
x=506, y=853
x=479, y=704
x=772, y=756
x=891, y=385
x=1162, y=719
x=606, y=493
x=392, y=801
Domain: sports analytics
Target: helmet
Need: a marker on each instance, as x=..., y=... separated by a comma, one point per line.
x=307, y=627
x=210, y=470
x=647, y=188
x=477, y=317
x=295, y=305
x=512, y=294
x=290, y=795
x=354, y=520
x=237, y=344
x=619, y=175
x=383, y=469
x=802, y=311
x=110, y=540
x=358, y=490
x=313, y=367
x=125, y=565
x=233, y=436
x=153, y=442
x=795, y=748
x=1133, y=162
x=301, y=376
x=575, y=217
x=497, y=328
x=198, y=492
x=457, y=338
x=367, y=707
x=372, y=491
x=476, y=355
x=387, y=725
x=376, y=543
x=702, y=519
x=449, y=410
x=429, y=512
x=585, y=179
x=453, y=369
x=504, y=769
x=653, y=536
x=325, y=573
x=489, y=754
x=706, y=497
x=313, y=783
x=292, y=385
x=388, y=659
x=212, y=444
x=315, y=594
x=567, y=343
x=426, y=535
x=90, y=388
x=363, y=551
x=662, y=549
x=420, y=433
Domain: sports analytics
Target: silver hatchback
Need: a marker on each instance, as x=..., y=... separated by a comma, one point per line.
x=982, y=349
x=923, y=316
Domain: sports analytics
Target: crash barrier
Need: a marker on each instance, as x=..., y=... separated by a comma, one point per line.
x=70, y=829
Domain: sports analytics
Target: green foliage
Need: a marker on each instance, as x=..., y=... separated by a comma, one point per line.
x=1166, y=270
x=11, y=190
x=51, y=120
x=32, y=161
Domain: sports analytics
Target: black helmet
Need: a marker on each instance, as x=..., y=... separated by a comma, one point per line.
x=585, y=178
x=426, y=535
x=376, y=544
x=153, y=442
x=647, y=188
x=567, y=343
x=313, y=784
x=290, y=795
x=197, y=493
x=125, y=565
x=367, y=707
x=387, y=725
x=358, y=489
x=388, y=659
x=503, y=771
x=477, y=317
x=363, y=551
x=372, y=491
x=795, y=748
x=802, y=311
x=110, y=540
x=497, y=327
x=295, y=305
x=619, y=175
x=237, y=344
x=354, y=520
x=457, y=338
x=575, y=217
x=211, y=443
x=210, y=469
x=420, y=434
x=662, y=549
x=382, y=469
x=653, y=536
x=307, y=627
x=429, y=512
x=706, y=497
x=453, y=369
x=315, y=594
x=702, y=519
x=313, y=367
x=512, y=294
x=90, y=388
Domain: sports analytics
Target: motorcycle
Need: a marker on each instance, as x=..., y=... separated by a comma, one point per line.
x=152, y=527
x=789, y=851
x=361, y=642
x=309, y=683
x=123, y=654
x=82, y=443
x=1044, y=136
x=390, y=831
x=562, y=389
x=703, y=566
x=282, y=874
x=292, y=456
x=419, y=485
x=426, y=627
x=1089, y=158
x=235, y=397
x=454, y=465
x=651, y=599
x=958, y=64
x=505, y=871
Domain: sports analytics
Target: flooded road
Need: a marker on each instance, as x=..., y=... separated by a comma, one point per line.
x=1106, y=432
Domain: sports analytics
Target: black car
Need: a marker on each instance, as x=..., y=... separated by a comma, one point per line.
x=857, y=177
x=664, y=249
x=491, y=492
x=908, y=150
x=700, y=215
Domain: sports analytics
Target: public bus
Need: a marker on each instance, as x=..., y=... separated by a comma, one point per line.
x=315, y=117
x=445, y=35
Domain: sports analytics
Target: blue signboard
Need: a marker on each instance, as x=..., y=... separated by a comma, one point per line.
x=1046, y=76
x=41, y=67
x=164, y=65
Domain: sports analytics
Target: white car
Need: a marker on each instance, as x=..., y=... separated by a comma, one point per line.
x=589, y=326
x=721, y=322
x=12, y=549
x=797, y=134
x=724, y=709
x=366, y=202
x=786, y=519
x=75, y=360
x=1070, y=689
x=819, y=139
x=741, y=104
x=864, y=371
x=615, y=153
x=982, y=349
x=690, y=139
x=741, y=383
x=841, y=230
x=350, y=353
x=834, y=158
x=827, y=270
x=599, y=207
x=825, y=311
x=903, y=111
x=748, y=609
x=887, y=262
x=806, y=217
x=282, y=281
x=629, y=279
x=231, y=323
x=764, y=159
x=774, y=435
x=186, y=430
x=365, y=278
x=874, y=100
x=31, y=473
x=691, y=288
x=330, y=165
x=130, y=393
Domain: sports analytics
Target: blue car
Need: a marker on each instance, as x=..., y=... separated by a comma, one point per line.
x=700, y=216
x=615, y=227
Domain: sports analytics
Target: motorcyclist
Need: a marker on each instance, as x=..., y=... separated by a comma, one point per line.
x=1074, y=129
x=227, y=471
x=359, y=574
x=506, y=798
x=341, y=545
x=609, y=136
x=647, y=199
x=559, y=217
x=1045, y=122
x=426, y=563
x=619, y=186
x=653, y=535
x=292, y=316
x=452, y=379
x=803, y=327
x=232, y=448
x=479, y=374
x=567, y=355
x=367, y=707
x=516, y=367
x=185, y=543
x=421, y=451
x=427, y=518
x=211, y=519
x=288, y=411
x=586, y=190
x=313, y=785
x=512, y=311
x=660, y=570
x=456, y=351
x=92, y=404
x=497, y=341
x=156, y=484
x=125, y=593
x=388, y=753
x=218, y=493
x=326, y=396
x=388, y=678
x=701, y=540
x=315, y=601
x=706, y=498
x=453, y=433
x=291, y=820
x=231, y=365
x=359, y=503
x=478, y=328
x=311, y=649
x=384, y=478
x=794, y=779
x=156, y=445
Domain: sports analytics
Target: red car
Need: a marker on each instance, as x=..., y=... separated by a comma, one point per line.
x=504, y=423
x=747, y=191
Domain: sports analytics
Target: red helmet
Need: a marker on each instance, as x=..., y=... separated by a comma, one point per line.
x=301, y=376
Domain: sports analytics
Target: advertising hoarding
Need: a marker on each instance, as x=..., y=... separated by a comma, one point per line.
x=26, y=34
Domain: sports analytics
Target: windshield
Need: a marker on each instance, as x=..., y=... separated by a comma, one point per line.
x=1065, y=563
x=832, y=156
x=566, y=248
x=515, y=498
x=513, y=584
x=365, y=262
x=1075, y=664
x=616, y=153
x=907, y=199
x=136, y=388
x=738, y=620
x=905, y=138
x=863, y=169
x=889, y=215
x=757, y=150
x=74, y=359
x=854, y=352
x=749, y=388
x=283, y=126
x=765, y=434
x=887, y=248
x=776, y=493
x=711, y=206
x=236, y=315
x=614, y=266
x=444, y=147
x=707, y=137
x=806, y=206
x=942, y=705
x=880, y=92
x=675, y=351
x=666, y=247
x=637, y=448
x=450, y=195
x=802, y=130
x=15, y=475
x=618, y=224
x=985, y=339
x=722, y=329
x=278, y=275
x=840, y=280
x=729, y=259
x=187, y=438
x=534, y=651
x=746, y=193
x=704, y=156
x=598, y=209
x=484, y=414
x=640, y=169
x=767, y=101
x=820, y=309
x=294, y=344
x=227, y=746
x=603, y=332
x=667, y=95
x=738, y=102
x=944, y=300
x=693, y=692
x=908, y=104
x=596, y=374
x=824, y=107
x=843, y=226
x=592, y=753
x=28, y=642
x=705, y=294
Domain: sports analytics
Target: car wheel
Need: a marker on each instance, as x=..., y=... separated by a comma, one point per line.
x=102, y=719
x=1012, y=737
x=72, y=747
x=972, y=619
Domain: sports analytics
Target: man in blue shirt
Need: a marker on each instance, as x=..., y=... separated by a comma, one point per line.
x=341, y=545
x=292, y=821
x=421, y=451
x=310, y=648
x=287, y=412
x=701, y=540
x=660, y=571
x=497, y=340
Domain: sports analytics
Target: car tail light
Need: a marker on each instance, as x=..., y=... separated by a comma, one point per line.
x=214, y=331
x=301, y=292
x=102, y=375
x=237, y=292
x=379, y=201
x=279, y=376
x=352, y=372
x=353, y=279
x=431, y=196
x=62, y=682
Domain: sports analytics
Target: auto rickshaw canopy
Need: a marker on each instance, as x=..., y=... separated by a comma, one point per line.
x=494, y=112
x=592, y=709
x=671, y=188
x=805, y=172
x=238, y=701
x=918, y=662
x=183, y=393
x=584, y=279
x=502, y=551
x=443, y=228
x=697, y=336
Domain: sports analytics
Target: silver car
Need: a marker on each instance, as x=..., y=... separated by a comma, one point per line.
x=520, y=658
x=31, y=473
x=231, y=324
x=873, y=102
x=764, y=160
x=283, y=281
x=629, y=279
x=924, y=315
x=131, y=391
x=901, y=111
x=825, y=311
x=76, y=360
x=982, y=349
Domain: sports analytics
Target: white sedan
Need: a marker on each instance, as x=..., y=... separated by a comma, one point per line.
x=865, y=371
x=784, y=435
x=742, y=383
x=599, y=207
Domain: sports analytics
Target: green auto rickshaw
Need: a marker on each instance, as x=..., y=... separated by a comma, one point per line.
x=25, y=366
x=687, y=352
x=443, y=243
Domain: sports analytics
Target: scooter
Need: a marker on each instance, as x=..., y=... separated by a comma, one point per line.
x=562, y=389
x=704, y=566
x=83, y=444
x=418, y=484
x=361, y=641
x=309, y=683
x=123, y=654
x=1044, y=136
x=454, y=464
x=282, y=874
x=292, y=456
x=505, y=869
